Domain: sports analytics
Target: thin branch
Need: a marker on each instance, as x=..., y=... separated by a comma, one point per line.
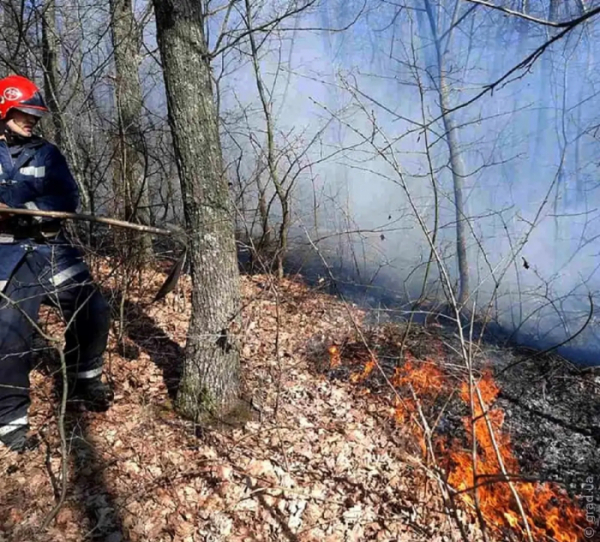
x=500, y=460
x=88, y=218
x=530, y=59
x=544, y=22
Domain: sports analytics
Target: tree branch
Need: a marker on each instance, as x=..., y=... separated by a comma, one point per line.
x=88, y=218
x=530, y=59
x=544, y=22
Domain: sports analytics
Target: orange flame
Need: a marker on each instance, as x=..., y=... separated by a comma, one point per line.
x=422, y=387
x=424, y=378
x=335, y=358
x=368, y=369
x=549, y=511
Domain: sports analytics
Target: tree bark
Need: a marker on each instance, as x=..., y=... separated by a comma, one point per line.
x=55, y=125
x=456, y=163
x=130, y=177
x=51, y=73
x=210, y=376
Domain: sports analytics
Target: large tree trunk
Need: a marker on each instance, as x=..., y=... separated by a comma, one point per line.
x=210, y=376
x=130, y=177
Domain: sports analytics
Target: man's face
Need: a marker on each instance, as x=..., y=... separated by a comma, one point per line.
x=21, y=123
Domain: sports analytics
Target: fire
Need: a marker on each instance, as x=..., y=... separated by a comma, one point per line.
x=550, y=513
x=334, y=356
x=368, y=369
x=422, y=387
x=421, y=379
x=512, y=518
x=425, y=378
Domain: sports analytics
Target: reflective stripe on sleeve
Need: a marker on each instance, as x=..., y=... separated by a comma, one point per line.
x=3, y=284
x=68, y=273
x=13, y=426
x=33, y=207
x=33, y=171
x=92, y=373
x=7, y=238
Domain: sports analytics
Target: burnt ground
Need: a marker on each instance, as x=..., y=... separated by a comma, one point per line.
x=553, y=414
x=551, y=404
x=550, y=407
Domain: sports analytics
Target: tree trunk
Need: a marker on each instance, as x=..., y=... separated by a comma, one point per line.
x=543, y=142
x=263, y=247
x=458, y=174
x=51, y=73
x=131, y=188
x=283, y=195
x=55, y=124
x=209, y=381
x=456, y=162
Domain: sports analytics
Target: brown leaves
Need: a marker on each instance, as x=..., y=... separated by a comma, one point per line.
x=318, y=465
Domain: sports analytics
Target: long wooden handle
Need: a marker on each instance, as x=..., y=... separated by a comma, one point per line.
x=88, y=218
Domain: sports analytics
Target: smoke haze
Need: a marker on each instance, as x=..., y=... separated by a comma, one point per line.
x=368, y=99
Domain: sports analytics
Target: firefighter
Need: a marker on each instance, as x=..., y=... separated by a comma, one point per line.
x=39, y=265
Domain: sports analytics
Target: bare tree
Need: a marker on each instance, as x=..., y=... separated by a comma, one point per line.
x=451, y=136
x=271, y=159
x=15, y=22
x=210, y=375
x=50, y=61
x=129, y=172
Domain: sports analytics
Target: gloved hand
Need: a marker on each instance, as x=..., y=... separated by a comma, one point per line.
x=4, y=216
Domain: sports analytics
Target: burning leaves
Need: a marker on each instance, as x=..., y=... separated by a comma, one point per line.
x=480, y=465
x=334, y=357
x=368, y=369
x=548, y=510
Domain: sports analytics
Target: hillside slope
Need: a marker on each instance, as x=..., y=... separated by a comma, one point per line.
x=310, y=458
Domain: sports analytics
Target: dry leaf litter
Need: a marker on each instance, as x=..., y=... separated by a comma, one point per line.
x=317, y=458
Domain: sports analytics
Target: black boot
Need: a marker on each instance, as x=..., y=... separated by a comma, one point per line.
x=19, y=441
x=92, y=393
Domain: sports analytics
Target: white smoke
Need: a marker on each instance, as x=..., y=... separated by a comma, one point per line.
x=529, y=150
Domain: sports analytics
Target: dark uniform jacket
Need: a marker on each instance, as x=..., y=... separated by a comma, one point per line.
x=35, y=175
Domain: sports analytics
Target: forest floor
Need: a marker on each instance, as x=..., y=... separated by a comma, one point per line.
x=323, y=450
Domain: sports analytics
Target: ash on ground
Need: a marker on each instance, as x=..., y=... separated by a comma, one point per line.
x=552, y=413
x=551, y=406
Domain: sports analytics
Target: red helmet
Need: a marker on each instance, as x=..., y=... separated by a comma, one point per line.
x=20, y=93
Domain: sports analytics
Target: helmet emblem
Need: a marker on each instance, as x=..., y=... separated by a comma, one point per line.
x=12, y=94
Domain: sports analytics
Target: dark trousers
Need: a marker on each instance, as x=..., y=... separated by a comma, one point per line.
x=84, y=310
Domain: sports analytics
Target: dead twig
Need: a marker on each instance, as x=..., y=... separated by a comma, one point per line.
x=88, y=218
x=500, y=460
x=551, y=348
